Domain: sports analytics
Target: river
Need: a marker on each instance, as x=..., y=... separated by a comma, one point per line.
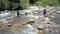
x=56, y=20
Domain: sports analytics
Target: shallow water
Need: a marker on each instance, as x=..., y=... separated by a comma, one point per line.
x=57, y=19
x=6, y=15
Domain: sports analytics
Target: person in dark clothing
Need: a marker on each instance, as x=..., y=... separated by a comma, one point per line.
x=44, y=12
x=26, y=14
x=18, y=13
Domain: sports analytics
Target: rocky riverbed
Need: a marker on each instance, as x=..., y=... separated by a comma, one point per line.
x=42, y=25
x=33, y=23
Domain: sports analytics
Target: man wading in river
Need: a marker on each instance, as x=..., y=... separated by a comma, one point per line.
x=44, y=12
x=17, y=13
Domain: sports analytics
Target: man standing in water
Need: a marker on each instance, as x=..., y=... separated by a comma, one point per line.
x=44, y=12
x=26, y=14
x=18, y=13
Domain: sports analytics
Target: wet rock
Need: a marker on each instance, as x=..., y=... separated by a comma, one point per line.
x=9, y=25
x=40, y=28
x=48, y=31
x=53, y=17
x=58, y=12
x=4, y=21
x=47, y=19
x=29, y=30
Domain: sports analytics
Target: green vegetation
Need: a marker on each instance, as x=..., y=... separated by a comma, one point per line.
x=24, y=3
x=10, y=4
x=47, y=2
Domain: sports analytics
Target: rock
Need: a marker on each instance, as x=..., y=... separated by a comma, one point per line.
x=41, y=16
x=4, y=21
x=9, y=25
x=46, y=31
x=58, y=12
x=48, y=22
x=47, y=19
x=40, y=32
x=40, y=27
x=31, y=20
x=29, y=30
x=35, y=12
x=52, y=16
x=33, y=17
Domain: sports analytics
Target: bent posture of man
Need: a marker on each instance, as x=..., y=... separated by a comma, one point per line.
x=44, y=12
x=18, y=13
